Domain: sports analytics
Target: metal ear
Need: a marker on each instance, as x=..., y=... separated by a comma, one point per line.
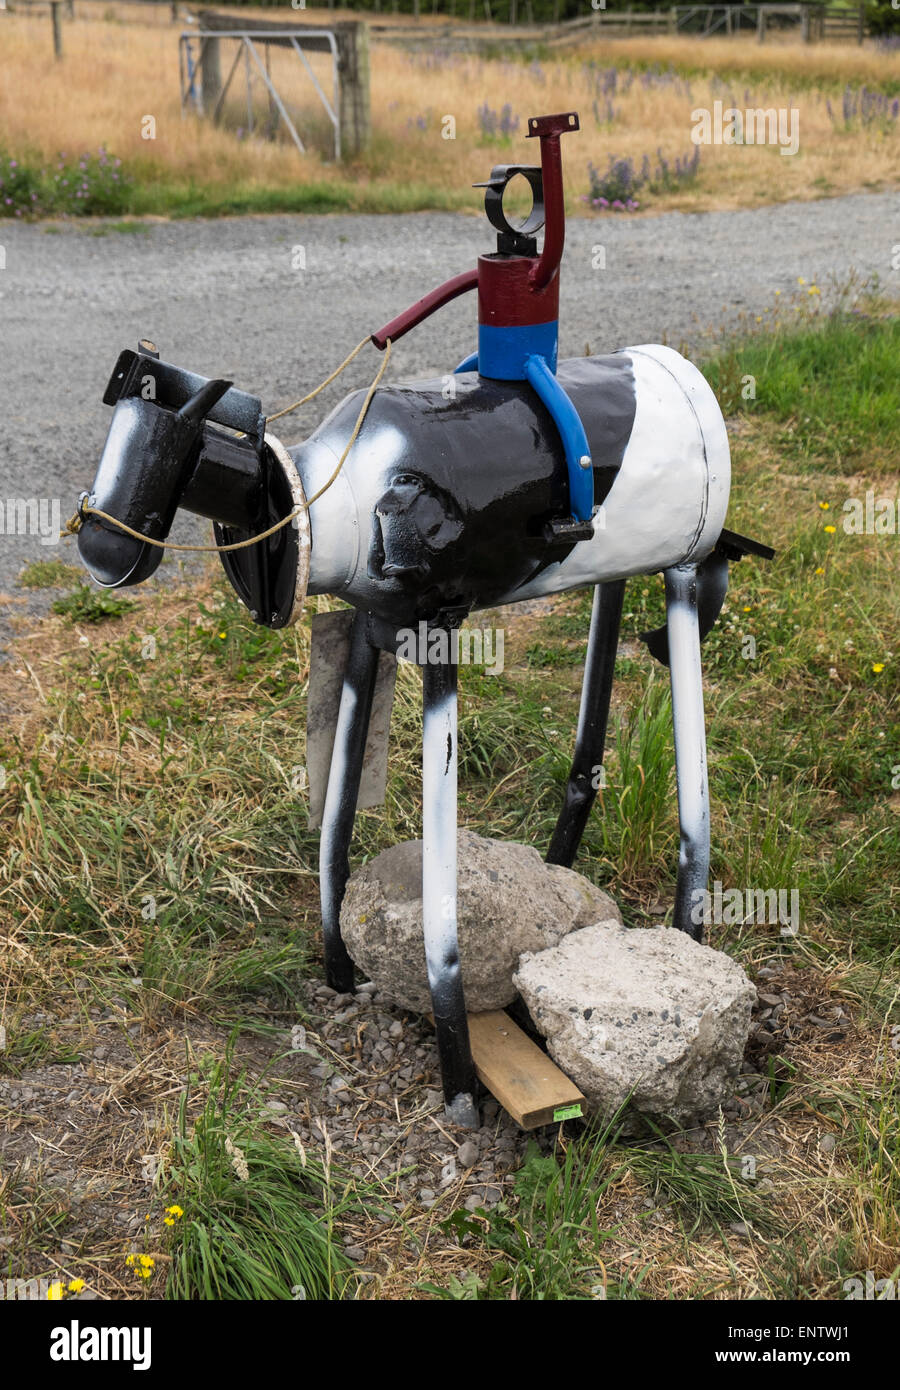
x=712, y=586
x=202, y=402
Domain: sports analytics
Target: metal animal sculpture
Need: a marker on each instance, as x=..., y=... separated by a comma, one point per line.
x=518, y=476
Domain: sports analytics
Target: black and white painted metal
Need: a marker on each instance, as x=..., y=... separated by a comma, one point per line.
x=454, y=497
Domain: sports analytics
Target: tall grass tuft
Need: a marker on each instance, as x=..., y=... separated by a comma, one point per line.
x=260, y=1214
x=635, y=822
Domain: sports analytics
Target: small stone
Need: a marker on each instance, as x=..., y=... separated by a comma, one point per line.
x=740, y=1228
x=396, y=1029
x=354, y=1252
x=827, y=1143
x=467, y=1154
x=773, y=1000
x=427, y=1194
x=277, y=1105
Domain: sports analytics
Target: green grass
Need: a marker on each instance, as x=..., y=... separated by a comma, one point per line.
x=170, y=198
x=545, y=1243
x=832, y=386
x=50, y=574
x=260, y=1214
x=704, y=1189
x=121, y=228
x=87, y=605
x=29, y=1048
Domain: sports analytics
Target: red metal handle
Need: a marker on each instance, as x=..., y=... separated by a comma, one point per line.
x=425, y=306
x=548, y=129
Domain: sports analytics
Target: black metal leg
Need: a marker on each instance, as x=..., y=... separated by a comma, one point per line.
x=439, y=762
x=690, y=748
x=593, y=717
x=340, y=799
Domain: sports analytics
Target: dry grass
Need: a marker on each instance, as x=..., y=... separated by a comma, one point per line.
x=797, y=63
x=116, y=73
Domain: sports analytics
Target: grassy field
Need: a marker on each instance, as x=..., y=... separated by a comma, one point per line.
x=635, y=98
x=160, y=921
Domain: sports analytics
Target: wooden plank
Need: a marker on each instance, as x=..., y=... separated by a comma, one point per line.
x=526, y=1082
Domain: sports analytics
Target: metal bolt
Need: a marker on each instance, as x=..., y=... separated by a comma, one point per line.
x=585, y=461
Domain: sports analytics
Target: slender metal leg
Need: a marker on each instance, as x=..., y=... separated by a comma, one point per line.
x=439, y=892
x=690, y=748
x=340, y=799
x=593, y=717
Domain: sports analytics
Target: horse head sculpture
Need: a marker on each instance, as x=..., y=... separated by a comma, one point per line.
x=513, y=477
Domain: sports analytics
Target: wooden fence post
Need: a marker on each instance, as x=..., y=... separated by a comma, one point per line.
x=56, y=19
x=210, y=73
x=353, y=66
x=760, y=24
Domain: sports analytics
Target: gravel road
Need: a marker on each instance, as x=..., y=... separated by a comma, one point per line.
x=224, y=298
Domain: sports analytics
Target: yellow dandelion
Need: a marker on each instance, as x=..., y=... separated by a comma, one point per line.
x=147, y=1261
x=56, y=1291
x=777, y=292
x=820, y=570
x=76, y=1285
x=878, y=667
x=747, y=608
x=800, y=280
x=175, y=1210
x=759, y=318
x=825, y=506
x=168, y=1221
x=144, y=1273
x=831, y=530
x=222, y=636
x=131, y=1261
x=813, y=289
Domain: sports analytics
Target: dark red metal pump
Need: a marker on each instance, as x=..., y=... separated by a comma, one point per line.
x=518, y=305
